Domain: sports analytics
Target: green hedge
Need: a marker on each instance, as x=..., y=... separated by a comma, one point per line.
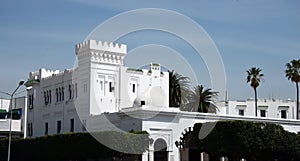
x=73, y=146
x=249, y=140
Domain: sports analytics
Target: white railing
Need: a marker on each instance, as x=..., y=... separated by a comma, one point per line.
x=15, y=126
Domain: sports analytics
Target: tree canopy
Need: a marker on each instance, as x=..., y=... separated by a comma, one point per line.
x=200, y=100
x=252, y=141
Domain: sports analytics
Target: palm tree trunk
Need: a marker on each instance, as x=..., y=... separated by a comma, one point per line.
x=297, y=103
x=255, y=99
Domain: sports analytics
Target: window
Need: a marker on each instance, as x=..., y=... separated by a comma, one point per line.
x=241, y=112
x=70, y=92
x=45, y=98
x=83, y=125
x=110, y=87
x=133, y=88
x=56, y=93
x=71, y=125
x=30, y=101
x=143, y=103
x=46, y=128
x=59, y=91
x=30, y=129
x=50, y=96
x=76, y=92
x=283, y=114
x=101, y=85
x=62, y=93
x=58, y=126
x=263, y=113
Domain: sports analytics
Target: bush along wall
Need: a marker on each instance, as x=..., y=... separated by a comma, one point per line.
x=252, y=141
x=75, y=146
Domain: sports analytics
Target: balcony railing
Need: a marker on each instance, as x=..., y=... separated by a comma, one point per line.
x=15, y=125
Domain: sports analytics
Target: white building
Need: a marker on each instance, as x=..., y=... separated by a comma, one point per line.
x=270, y=108
x=102, y=94
x=18, y=123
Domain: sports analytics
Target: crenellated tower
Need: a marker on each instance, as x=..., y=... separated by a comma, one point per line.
x=98, y=71
x=101, y=52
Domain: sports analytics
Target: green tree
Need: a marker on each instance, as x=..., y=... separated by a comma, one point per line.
x=200, y=100
x=178, y=89
x=253, y=141
x=254, y=77
x=292, y=72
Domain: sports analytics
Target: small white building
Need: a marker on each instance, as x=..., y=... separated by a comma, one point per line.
x=266, y=108
x=18, y=123
x=102, y=94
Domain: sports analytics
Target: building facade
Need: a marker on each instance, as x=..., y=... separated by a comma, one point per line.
x=102, y=94
x=266, y=108
x=100, y=84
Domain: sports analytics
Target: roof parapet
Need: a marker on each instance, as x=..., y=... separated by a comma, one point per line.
x=101, y=45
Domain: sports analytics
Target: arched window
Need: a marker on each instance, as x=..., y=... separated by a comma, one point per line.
x=45, y=97
x=50, y=96
x=60, y=95
x=160, y=150
x=70, y=92
x=56, y=93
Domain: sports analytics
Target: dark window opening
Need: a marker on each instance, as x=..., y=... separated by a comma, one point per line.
x=76, y=92
x=133, y=88
x=262, y=113
x=70, y=92
x=30, y=129
x=71, y=125
x=241, y=112
x=56, y=93
x=143, y=103
x=46, y=128
x=283, y=114
x=110, y=87
x=62, y=93
x=30, y=99
x=50, y=96
x=45, y=98
x=58, y=127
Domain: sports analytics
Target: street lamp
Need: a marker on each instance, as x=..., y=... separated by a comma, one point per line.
x=28, y=84
x=10, y=121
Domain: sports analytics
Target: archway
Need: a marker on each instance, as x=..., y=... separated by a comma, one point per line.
x=160, y=150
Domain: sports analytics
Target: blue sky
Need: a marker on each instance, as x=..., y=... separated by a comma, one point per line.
x=266, y=34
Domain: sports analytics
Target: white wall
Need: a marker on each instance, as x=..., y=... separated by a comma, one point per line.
x=61, y=110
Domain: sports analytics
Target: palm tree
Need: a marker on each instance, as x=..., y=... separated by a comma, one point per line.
x=292, y=72
x=201, y=100
x=254, y=77
x=178, y=89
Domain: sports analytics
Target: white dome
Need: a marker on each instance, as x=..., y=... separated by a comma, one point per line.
x=154, y=96
x=158, y=96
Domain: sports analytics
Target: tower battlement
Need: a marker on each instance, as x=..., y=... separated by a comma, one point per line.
x=100, y=46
